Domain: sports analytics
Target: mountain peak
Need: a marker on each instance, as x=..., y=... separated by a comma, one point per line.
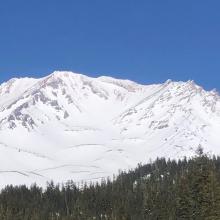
x=66, y=75
x=83, y=128
x=62, y=74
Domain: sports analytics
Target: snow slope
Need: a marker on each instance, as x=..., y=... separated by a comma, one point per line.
x=70, y=126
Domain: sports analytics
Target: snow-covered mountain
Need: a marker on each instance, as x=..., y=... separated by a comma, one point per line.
x=70, y=126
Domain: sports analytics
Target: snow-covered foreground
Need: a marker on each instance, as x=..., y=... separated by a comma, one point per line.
x=70, y=126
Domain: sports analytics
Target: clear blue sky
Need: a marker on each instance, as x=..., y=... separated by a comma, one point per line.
x=147, y=41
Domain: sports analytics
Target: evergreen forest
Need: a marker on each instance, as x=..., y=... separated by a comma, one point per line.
x=160, y=190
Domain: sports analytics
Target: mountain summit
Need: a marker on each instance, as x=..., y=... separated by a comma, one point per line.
x=71, y=126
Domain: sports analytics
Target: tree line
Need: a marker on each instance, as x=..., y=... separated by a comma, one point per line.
x=160, y=190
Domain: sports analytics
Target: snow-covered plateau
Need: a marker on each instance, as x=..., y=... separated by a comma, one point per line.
x=70, y=126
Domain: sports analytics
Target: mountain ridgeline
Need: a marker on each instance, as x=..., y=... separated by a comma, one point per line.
x=71, y=126
x=161, y=190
